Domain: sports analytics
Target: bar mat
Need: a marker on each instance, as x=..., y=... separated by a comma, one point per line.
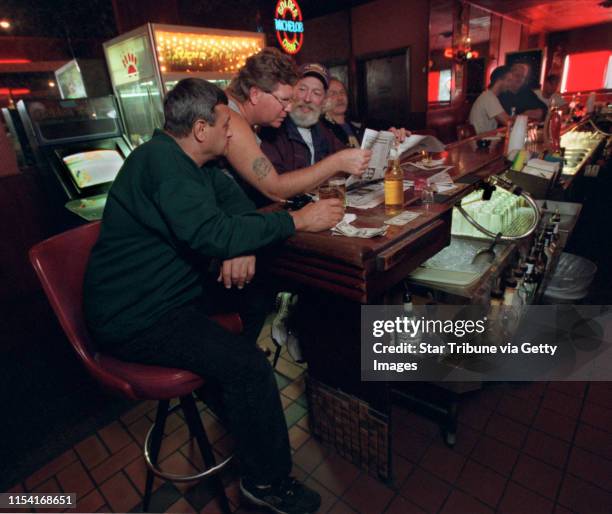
x=359, y=433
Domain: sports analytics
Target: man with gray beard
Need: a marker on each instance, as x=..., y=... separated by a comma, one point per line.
x=302, y=140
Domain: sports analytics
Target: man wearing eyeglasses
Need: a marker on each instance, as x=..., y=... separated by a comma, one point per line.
x=261, y=96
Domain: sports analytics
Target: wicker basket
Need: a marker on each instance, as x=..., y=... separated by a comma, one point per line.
x=358, y=432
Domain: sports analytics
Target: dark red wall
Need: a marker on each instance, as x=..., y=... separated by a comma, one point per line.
x=585, y=39
x=386, y=25
x=326, y=39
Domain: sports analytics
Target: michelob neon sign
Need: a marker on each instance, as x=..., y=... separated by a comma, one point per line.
x=289, y=26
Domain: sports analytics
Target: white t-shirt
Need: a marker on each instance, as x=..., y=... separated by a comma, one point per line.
x=559, y=100
x=484, y=110
x=306, y=134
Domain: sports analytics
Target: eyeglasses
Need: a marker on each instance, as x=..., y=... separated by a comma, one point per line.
x=285, y=102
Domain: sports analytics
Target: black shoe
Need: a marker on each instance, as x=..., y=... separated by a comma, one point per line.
x=286, y=497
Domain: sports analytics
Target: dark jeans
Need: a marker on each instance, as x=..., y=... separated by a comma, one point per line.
x=186, y=338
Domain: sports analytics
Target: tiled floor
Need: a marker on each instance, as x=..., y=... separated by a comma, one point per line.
x=523, y=449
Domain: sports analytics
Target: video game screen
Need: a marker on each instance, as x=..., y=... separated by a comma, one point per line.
x=93, y=167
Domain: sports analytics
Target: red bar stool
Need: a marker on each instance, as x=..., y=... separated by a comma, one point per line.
x=60, y=264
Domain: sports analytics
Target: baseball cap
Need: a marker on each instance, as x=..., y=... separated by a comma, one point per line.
x=315, y=70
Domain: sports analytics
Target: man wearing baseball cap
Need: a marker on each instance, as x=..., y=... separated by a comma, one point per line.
x=302, y=140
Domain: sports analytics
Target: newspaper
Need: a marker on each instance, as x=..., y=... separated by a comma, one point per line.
x=381, y=142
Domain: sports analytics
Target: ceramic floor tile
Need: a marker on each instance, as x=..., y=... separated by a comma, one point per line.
x=555, y=424
x=116, y=462
x=401, y=505
x=547, y=448
x=496, y=455
x=297, y=437
x=426, y=490
x=328, y=498
x=583, y=497
x=537, y=476
x=591, y=467
x=461, y=503
x=115, y=437
x=74, y=479
x=91, y=451
x=597, y=416
x=294, y=413
x=367, y=494
x=137, y=473
x=482, y=483
x=120, y=493
x=50, y=469
x=594, y=440
x=519, y=500
x=506, y=430
x=443, y=462
x=310, y=455
x=336, y=473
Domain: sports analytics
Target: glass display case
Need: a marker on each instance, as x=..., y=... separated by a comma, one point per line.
x=147, y=62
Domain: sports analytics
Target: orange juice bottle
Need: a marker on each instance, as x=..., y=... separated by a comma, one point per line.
x=394, y=184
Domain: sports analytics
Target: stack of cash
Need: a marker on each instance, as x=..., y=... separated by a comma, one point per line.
x=348, y=230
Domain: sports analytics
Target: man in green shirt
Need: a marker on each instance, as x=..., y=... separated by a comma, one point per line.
x=148, y=293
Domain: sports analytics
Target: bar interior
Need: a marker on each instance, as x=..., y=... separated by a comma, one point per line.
x=396, y=164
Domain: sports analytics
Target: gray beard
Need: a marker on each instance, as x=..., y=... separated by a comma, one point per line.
x=305, y=120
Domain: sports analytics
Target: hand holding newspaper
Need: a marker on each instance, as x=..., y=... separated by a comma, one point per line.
x=381, y=142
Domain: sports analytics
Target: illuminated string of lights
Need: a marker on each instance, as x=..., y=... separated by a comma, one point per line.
x=203, y=52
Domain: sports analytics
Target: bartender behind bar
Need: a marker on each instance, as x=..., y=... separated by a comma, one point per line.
x=520, y=99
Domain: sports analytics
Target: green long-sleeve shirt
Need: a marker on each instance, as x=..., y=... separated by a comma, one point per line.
x=164, y=220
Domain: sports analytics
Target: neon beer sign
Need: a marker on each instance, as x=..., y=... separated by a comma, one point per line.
x=289, y=26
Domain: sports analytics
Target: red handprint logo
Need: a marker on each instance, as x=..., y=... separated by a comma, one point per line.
x=130, y=62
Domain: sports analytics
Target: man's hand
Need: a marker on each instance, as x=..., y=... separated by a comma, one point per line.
x=237, y=271
x=399, y=133
x=353, y=160
x=318, y=216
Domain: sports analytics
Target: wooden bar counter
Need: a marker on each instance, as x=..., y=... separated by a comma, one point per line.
x=362, y=270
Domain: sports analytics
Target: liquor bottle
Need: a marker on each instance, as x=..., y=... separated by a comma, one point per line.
x=550, y=244
x=394, y=184
x=572, y=106
x=497, y=291
x=509, y=125
x=531, y=262
x=510, y=291
x=577, y=111
x=552, y=128
x=541, y=261
x=408, y=308
x=556, y=223
x=530, y=284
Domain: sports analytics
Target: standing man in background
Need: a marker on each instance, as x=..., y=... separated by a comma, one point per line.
x=487, y=112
